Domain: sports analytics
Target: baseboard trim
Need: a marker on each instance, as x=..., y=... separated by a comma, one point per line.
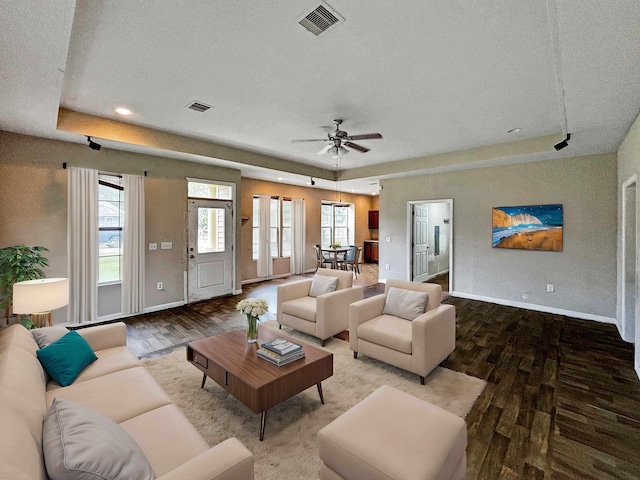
x=262, y=279
x=164, y=306
x=537, y=308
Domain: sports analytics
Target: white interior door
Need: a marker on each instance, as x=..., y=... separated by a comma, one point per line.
x=210, y=249
x=420, y=243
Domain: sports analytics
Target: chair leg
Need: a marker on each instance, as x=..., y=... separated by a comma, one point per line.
x=322, y=343
x=355, y=354
x=279, y=326
x=421, y=380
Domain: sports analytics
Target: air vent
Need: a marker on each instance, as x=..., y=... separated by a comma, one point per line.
x=199, y=106
x=319, y=20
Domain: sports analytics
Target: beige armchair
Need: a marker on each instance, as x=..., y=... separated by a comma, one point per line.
x=324, y=315
x=417, y=345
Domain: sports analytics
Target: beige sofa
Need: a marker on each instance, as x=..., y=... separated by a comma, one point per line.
x=116, y=385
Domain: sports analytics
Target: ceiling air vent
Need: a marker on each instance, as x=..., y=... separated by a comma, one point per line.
x=199, y=106
x=320, y=20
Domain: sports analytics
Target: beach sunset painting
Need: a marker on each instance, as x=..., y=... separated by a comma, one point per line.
x=529, y=227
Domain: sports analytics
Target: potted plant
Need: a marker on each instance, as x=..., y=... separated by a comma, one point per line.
x=17, y=264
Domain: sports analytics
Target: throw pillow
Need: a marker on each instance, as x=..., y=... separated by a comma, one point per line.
x=65, y=358
x=82, y=444
x=407, y=304
x=322, y=284
x=47, y=335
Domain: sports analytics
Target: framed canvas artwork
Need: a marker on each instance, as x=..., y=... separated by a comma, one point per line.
x=529, y=227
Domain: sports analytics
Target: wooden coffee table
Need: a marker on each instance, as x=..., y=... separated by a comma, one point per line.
x=233, y=364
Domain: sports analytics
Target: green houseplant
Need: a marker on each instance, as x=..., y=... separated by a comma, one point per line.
x=17, y=264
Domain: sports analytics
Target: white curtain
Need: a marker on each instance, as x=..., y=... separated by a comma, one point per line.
x=82, y=234
x=265, y=264
x=298, y=235
x=133, y=249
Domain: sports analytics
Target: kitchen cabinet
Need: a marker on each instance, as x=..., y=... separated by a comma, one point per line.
x=374, y=216
x=370, y=251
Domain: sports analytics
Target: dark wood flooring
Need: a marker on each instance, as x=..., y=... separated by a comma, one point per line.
x=562, y=399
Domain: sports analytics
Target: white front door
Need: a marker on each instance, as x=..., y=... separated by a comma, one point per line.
x=420, y=243
x=210, y=249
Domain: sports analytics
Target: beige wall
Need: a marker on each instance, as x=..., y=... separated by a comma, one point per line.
x=584, y=273
x=313, y=198
x=33, y=209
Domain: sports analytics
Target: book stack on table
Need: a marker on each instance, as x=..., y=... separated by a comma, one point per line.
x=280, y=351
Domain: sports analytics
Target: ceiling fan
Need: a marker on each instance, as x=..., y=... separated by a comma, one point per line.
x=339, y=139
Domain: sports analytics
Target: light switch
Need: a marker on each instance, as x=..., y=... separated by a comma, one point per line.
x=153, y=246
x=166, y=245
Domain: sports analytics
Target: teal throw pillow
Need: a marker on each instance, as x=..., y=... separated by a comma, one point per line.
x=65, y=358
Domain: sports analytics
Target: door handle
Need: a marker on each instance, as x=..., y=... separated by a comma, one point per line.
x=192, y=256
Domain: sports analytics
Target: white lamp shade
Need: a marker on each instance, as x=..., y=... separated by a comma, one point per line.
x=44, y=295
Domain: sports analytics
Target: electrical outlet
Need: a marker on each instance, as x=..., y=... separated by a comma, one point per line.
x=160, y=286
x=166, y=245
x=153, y=246
x=550, y=287
x=386, y=266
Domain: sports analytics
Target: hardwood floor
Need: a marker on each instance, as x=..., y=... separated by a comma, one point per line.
x=562, y=399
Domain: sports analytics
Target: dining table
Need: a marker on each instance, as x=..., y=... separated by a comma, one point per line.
x=334, y=252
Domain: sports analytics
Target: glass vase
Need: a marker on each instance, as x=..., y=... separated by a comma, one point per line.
x=252, y=329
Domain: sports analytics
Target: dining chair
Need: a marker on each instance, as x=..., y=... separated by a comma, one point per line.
x=321, y=259
x=349, y=260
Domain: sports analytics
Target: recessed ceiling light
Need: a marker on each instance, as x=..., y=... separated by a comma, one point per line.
x=279, y=179
x=374, y=193
x=308, y=183
x=123, y=111
x=514, y=130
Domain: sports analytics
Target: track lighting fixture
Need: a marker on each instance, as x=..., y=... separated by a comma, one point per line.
x=563, y=144
x=93, y=145
x=313, y=182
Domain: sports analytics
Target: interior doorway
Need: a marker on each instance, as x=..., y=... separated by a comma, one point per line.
x=431, y=241
x=630, y=314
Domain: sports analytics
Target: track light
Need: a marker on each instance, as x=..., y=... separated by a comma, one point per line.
x=93, y=145
x=313, y=182
x=563, y=144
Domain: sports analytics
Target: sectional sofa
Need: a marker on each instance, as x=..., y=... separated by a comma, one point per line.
x=117, y=387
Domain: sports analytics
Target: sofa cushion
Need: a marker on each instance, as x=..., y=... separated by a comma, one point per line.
x=65, y=358
x=388, y=331
x=322, y=284
x=120, y=395
x=407, y=304
x=47, y=335
x=303, y=307
x=151, y=430
x=82, y=444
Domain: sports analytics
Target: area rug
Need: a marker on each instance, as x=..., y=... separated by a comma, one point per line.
x=289, y=449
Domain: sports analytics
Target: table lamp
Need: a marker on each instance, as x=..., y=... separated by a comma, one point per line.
x=39, y=297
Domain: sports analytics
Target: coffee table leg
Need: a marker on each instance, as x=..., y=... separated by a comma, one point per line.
x=320, y=392
x=263, y=423
x=204, y=379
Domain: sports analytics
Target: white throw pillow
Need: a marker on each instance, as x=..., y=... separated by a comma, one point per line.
x=407, y=304
x=82, y=444
x=322, y=284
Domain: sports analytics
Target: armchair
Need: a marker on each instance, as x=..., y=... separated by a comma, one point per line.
x=417, y=345
x=323, y=316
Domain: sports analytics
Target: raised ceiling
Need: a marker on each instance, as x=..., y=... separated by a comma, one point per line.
x=433, y=77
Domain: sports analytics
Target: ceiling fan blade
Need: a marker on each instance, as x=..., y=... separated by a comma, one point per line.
x=325, y=149
x=355, y=146
x=312, y=140
x=365, y=136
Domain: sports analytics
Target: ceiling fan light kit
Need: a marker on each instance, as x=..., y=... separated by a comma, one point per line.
x=339, y=139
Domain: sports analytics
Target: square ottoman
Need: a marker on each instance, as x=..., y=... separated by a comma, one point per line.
x=393, y=435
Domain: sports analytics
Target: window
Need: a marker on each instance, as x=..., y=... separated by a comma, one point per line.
x=209, y=190
x=337, y=224
x=280, y=228
x=110, y=221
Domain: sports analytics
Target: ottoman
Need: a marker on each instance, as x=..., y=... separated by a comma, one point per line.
x=393, y=435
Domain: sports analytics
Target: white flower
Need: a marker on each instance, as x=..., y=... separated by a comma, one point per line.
x=253, y=306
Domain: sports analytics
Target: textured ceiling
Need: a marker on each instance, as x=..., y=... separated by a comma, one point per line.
x=432, y=77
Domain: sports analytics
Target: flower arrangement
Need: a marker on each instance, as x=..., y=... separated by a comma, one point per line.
x=252, y=308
